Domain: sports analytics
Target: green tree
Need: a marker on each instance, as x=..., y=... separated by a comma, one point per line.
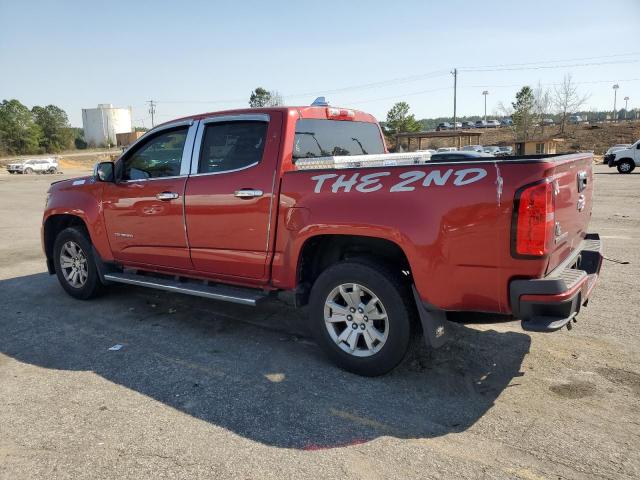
x=400, y=121
x=523, y=112
x=56, y=131
x=261, y=97
x=19, y=134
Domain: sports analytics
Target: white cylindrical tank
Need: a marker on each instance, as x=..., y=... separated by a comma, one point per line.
x=103, y=123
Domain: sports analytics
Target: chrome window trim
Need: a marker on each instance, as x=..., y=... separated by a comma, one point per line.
x=187, y=150
x=226, y=171
x=246, y=117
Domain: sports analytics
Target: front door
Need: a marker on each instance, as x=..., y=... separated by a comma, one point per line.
x=143, y=209
x=229, y=198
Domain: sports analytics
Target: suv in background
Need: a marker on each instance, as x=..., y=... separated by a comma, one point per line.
x=447, y=149
x=35, y=165
x=468, y=124
x=505, y=151
x=492, y=150
x=473, y=148
x=444, y=126
x=493, y=124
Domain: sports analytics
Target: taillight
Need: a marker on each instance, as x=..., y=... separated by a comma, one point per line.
x=535, y=220
x=340, y=113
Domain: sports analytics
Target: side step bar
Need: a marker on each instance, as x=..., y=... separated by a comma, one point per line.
x=243, y=296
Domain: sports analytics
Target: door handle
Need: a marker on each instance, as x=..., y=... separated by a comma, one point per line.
x=248, y=193
x=165, y=196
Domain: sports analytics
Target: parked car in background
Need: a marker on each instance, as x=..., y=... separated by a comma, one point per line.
x=456, y=125
x=447, y=149
x=505, y=151
x=493, y=124
x=34, y=165
x=427, y=150
x=468, y=124
x=625, y=160
x=481, y=124
x=472, y=148
x=575, y=119
x=444, y=126
x=458, y=156
x=548, y=122
x=506, y=122
x=619, y=146
x=492, y=150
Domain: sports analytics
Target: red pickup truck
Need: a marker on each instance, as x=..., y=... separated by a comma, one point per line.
x=217, y=205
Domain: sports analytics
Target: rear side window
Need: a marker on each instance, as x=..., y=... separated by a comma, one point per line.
x=230, y=146
x=323, y=138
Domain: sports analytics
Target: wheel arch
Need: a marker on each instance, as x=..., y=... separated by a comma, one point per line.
x=52, y=226
x=320, y=251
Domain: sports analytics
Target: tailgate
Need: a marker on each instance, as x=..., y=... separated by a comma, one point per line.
x=573, y=183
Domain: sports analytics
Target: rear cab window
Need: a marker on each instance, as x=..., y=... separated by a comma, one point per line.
x=324, y=138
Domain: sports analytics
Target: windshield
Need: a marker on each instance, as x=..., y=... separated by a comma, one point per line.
x=323, y=138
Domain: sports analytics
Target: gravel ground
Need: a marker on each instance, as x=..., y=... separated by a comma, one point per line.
x=202, y=389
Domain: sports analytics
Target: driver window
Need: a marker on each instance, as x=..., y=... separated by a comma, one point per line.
x=159, y=157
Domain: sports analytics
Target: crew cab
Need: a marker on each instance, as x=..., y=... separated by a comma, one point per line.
x=624, y=159
x=306, y=201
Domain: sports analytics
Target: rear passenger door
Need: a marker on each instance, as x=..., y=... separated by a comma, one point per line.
x=229, y=196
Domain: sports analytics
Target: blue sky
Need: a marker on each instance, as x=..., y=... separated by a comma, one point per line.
x=195, y=56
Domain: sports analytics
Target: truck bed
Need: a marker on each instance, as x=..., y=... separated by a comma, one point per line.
x=452, y=219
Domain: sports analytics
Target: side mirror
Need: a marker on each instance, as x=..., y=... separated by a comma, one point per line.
x=103, y=171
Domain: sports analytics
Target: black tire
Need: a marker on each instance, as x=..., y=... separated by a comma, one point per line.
x=52, y=170
x=395, y=295
x=626, y=166
x=28, y=171
x=92, y=287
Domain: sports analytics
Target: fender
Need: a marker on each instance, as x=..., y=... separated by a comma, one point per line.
x=81, y=198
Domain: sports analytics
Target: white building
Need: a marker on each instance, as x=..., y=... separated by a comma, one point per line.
x=103, y=123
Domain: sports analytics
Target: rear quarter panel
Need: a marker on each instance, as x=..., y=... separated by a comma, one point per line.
x=448, y=221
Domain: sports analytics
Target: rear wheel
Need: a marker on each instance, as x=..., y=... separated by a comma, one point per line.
x=52, y=170
x=75, y=265
x=361, y=315
x=626, y=166
x=28, y=170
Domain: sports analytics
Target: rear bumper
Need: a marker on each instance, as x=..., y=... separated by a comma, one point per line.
x=548, y=304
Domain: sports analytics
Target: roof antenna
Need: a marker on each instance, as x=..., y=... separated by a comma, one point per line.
x=320, y=102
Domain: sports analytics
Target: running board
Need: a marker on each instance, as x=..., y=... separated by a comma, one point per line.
x=243, y=296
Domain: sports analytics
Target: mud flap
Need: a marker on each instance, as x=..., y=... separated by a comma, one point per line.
x=435, y=325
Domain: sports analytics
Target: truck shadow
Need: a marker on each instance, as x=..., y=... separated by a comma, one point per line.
x=253, y=371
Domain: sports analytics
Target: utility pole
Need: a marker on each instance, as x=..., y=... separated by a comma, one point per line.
x=615, y=97
x=455, y=88
x=152, y=111
x=626, y=104
x=485, y=93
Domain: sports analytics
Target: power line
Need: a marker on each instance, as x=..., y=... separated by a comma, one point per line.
x=541, y=67
x=433, y=74
x=544, y=62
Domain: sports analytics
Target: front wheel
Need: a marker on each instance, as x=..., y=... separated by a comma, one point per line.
x=362, y=316
x=74, y=263
x=626, y=166
x=28, y=171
